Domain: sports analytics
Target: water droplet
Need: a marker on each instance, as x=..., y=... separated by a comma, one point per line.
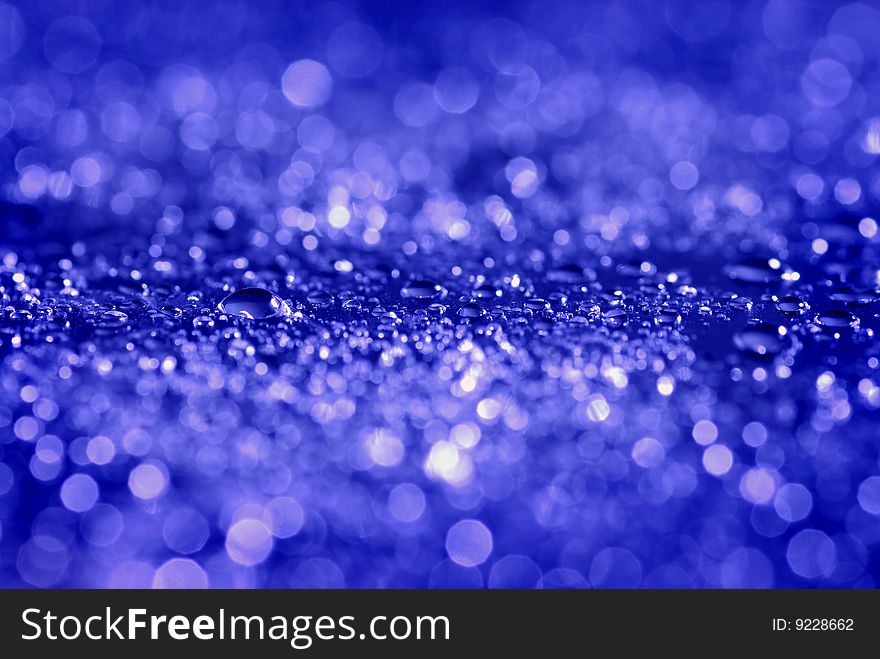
x=636, y=269
x=112, y=319
x=616, y=317
x=754, y=271
x=667, y=317
x=21, y=315
x=537, y=304
x=792, y=304
x=487, y=292
x=320, y=298
x=589, y=309
x=422, y=289
x=471, y=310
x=740, y=303
x=759, y=341
x=836, y=318
x=570, y=274
x=849, y=295
x=254, y=303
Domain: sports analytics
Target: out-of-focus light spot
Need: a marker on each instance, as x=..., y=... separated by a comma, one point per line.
x=871, y=143
x=465, y=435
x=825, y=381
x=615, y=567
x=847, y=191
x=717, y=459
x=754, y=433
x=868, y=227
x=286, y=516
x=811, y=554
x=665, y=385
x=793, y=502
x=102, y=525
x=469, y=542
x=384, y=448
x=12, y=31
x=180, y=573
x=826, y=82
x=307, y=83
x=26, y=428
x=869, y=495
x=648, y=453
x=684, y=175
x=101, y=450
x=86, y=172
x=598, y=409
x=79, y=493
x=415, y=105
x=810, y=186
x=185, y=530
x=72, y=44
x=757, y=486
x=199, y=131
x=120, y=121
x=617, y=377
x=406, y=502
x=456, y=90
x=704, y=432
x=33, y=181
x=147, y=481
x=249, y=542
x=488, y=409
x=447, y=463
x=338, y=217
x=354, y=50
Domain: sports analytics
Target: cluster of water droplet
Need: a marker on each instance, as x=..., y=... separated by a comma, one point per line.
x=510, y=302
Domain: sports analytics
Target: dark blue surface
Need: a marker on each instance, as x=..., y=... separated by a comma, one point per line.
x=575, y=294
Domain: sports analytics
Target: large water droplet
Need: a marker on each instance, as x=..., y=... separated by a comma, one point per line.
x=836, y=318
x=487, y=292
x=570, y=274
x=21, y=315
x=792, y=304
x=320, y=298
x=754, y=271
x=422, y=289
x=849, y=295
x=667, y=318
x=759, y=341
x=636, y=268
x=740, y=303
x=254, y=303
x=471, y=310
x=537, y=304
x=615, y=317
x=112, y=319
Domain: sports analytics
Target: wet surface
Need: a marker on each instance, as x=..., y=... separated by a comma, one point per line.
x=531, y=320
